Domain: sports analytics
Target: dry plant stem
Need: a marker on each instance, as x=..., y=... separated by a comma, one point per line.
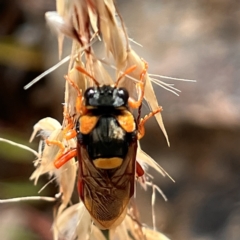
x=32, y=198
x=49, y=182
x=154, y=188
x=57, y=65
x=172, y=78
x=20, y=146
x=124, y=29
x=53, y=68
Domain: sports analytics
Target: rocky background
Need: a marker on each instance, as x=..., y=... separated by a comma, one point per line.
x=186, y=39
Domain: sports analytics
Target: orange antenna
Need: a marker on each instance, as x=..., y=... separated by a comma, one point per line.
x=82, y=70
x=130, y=69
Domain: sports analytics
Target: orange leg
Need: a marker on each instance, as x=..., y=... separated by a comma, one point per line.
x=70, y=123
x=58, y=143
x=68, y=133
x=61, y=160
x=141, y=129
x=80, y=108
x=62, y=157
x=140, y=88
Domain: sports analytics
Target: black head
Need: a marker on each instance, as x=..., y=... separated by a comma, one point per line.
x=106, y=96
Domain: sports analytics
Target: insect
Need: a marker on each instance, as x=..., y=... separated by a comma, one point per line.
x=107, y=137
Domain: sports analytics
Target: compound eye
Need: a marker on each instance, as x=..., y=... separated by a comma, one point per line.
x=89, y=93
x=123, y=94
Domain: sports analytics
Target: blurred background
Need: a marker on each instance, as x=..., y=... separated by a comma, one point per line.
x=185, y=39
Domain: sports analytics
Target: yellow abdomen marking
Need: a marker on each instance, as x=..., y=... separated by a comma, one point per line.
x=107, y=163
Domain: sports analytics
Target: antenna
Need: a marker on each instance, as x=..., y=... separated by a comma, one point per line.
x=130, y=69
x=82, y=70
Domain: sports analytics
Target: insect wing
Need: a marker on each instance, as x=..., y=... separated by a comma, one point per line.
x=106, y=193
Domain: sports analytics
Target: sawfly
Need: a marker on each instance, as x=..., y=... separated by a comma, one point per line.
x=107, y=136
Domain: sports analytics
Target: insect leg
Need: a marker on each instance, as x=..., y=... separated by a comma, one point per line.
x=80, y=108
x=55, y=142
x=69, y=131
x=61, y=157
x=61, y=160
x=141, y=129
x=140, y=88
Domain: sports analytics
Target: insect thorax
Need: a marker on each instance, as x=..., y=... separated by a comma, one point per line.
x=107, y=139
